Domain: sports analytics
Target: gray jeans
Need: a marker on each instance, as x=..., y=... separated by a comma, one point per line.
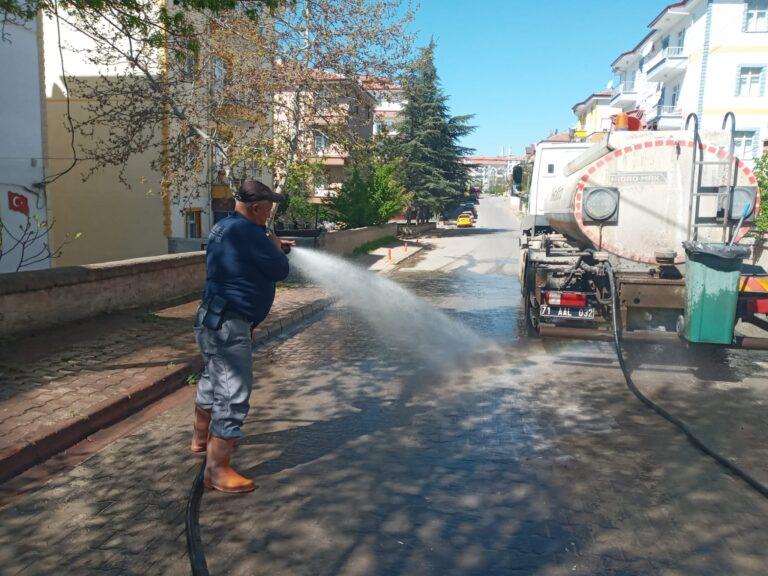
x=225, y=385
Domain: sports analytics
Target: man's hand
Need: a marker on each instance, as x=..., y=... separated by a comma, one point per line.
x=282, y=245
x=275, y=240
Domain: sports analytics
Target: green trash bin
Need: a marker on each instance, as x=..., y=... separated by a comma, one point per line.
x=712, y=273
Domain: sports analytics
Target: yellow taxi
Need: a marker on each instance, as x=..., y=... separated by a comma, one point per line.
x=465, y=219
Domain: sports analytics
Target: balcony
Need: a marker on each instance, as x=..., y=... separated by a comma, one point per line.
x=667, y=117
x=626, y=97
x=667, y=64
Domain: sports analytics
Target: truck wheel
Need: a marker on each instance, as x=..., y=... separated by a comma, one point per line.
x=531, y=313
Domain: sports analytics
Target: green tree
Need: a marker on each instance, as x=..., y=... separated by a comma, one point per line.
x=387, y=193
x=761, y=173
x=370, y=195
x=429, y=140
x=352, y=205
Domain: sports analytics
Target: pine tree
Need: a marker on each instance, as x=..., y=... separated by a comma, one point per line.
x=429, y=140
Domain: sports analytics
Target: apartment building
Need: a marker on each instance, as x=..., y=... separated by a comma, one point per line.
x=344, y=113
x=23, y=236
x=150, y=204
x=112, y=219
x=491, y=172
x=390, y=101
x=704, y=56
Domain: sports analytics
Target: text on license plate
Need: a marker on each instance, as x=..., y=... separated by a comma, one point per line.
x=564, y=312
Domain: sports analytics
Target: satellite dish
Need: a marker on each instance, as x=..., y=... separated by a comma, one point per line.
x=609, y=86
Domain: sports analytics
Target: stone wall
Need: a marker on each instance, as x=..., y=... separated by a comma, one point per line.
x=415, y=229
x=345, y=241
x=31, y=301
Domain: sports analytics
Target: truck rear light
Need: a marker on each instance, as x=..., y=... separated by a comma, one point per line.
x=578, y=299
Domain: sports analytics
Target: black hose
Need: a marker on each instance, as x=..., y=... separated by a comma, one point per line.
x=195, y=549
x=755, y=484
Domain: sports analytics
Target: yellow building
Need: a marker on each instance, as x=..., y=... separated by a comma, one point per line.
x=99, y=219
x=594, y=115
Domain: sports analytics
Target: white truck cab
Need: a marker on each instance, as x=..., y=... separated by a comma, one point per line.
x=549, y=165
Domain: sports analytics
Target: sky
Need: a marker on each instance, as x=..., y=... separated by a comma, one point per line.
x=521, y=65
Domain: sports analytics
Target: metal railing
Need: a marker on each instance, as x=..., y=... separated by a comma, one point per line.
x=628, y=86
x=672, y=51
x=664, y=54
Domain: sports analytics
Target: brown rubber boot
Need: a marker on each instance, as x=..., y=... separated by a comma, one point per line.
x=200, y=430
x=219, y=475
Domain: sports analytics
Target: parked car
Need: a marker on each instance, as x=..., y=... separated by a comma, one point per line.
x=465, y=220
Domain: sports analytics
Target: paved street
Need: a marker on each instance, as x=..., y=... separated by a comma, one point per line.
x=522, y=457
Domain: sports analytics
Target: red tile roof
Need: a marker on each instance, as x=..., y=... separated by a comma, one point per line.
x=559, y=137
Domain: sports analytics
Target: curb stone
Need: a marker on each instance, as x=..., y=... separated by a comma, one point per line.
x=51, y=440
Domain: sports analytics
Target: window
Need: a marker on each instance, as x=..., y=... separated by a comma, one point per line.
x=192, y=223
x=324, y=99
x=220, y=215
x=750, y=81
x=675, y=95
x=219, y=74
x=188, y=64
x=550, y=168
x=321, y=141
x=757, y=16
x=744, y=144
x=681, y=38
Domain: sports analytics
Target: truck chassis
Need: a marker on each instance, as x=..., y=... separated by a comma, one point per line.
x=566, y=292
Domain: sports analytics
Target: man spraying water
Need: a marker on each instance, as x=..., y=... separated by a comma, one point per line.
x=243, y=262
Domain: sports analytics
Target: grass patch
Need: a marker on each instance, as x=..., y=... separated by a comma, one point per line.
x=373, y=245
x=152, y=318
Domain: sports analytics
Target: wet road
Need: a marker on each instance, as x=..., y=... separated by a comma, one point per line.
x=522, y=457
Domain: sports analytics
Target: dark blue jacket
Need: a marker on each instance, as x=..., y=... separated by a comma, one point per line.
x=242, y=266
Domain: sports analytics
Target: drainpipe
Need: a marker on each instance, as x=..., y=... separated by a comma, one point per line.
x=705, y=59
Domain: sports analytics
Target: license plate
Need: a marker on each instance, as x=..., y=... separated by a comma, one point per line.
x=567, y=313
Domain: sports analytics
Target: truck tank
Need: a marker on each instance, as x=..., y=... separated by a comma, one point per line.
x=630, y=195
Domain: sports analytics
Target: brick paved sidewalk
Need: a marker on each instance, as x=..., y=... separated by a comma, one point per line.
x=58, y=387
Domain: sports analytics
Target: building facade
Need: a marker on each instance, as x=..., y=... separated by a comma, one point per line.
x=99, y=216
x=594, y=114
x=492, y=172
x=24, y=236
x=707, y=57
x=149, y=204
x=390, y=101
x=347, y=115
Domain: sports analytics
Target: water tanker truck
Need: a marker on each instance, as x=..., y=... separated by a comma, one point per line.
x=660, y=212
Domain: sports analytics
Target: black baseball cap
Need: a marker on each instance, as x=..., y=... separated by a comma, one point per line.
x=253, y=191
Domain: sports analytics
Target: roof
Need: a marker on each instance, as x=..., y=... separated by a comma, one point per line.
x=375, y=83
x=635, y=49
x=667, y=9
x=500, y=160
x=652, y=25
x=595, y=96
x=558, y=137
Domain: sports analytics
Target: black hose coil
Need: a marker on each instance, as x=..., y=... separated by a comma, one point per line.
x=729, y=465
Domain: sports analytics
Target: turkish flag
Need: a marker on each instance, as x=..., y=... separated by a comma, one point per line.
x=18, y=203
